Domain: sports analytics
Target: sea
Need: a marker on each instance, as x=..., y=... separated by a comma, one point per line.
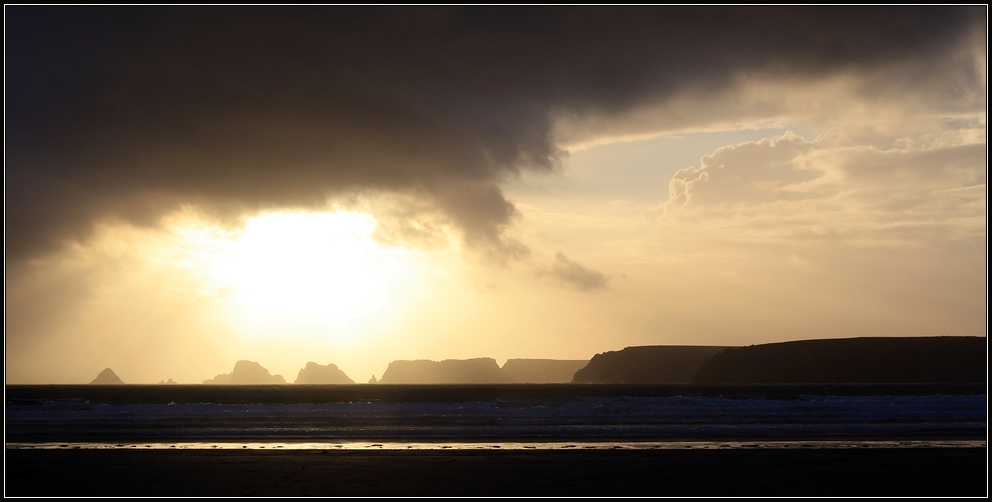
x=505, y=416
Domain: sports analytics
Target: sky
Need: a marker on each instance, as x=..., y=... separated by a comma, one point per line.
x=186, y=187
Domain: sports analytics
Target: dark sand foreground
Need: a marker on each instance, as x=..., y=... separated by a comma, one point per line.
x=737, y=472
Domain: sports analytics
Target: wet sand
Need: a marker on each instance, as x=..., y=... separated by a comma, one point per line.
x=732, y=472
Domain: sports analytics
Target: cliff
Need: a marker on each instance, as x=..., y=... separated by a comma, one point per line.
x=314, y=373
x=246, y=373
x=480, y=370
x=852, y=360
x=649, y=364
x=542, y=370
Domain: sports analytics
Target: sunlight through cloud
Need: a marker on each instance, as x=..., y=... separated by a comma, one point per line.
x=320, y=269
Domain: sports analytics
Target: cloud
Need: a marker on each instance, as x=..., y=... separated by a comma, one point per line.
x=134, y=112
x=570, y=274
x=912, y=191
x=752, y=172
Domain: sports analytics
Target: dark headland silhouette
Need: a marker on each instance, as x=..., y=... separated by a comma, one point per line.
x=314, y=373
x=107, y=377
x=935, y=359
x=246, y=373
x=542, y=370
x=648, y=364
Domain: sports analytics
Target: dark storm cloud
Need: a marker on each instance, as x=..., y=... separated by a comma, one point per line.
x=131, y=111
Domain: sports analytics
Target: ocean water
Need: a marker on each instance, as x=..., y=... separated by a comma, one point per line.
x=761, y=444
x=512, y=417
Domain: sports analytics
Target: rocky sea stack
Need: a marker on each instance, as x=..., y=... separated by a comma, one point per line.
x=246, y=373
x=314, y=373
x=450, y=371
x=107, y=377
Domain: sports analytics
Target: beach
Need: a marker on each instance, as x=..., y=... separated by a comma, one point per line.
x=497, y=440
x=731, y=472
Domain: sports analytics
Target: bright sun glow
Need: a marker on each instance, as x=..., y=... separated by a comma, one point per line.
x=321, y=269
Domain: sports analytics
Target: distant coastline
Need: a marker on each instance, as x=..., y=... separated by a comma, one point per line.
x=936, y=359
